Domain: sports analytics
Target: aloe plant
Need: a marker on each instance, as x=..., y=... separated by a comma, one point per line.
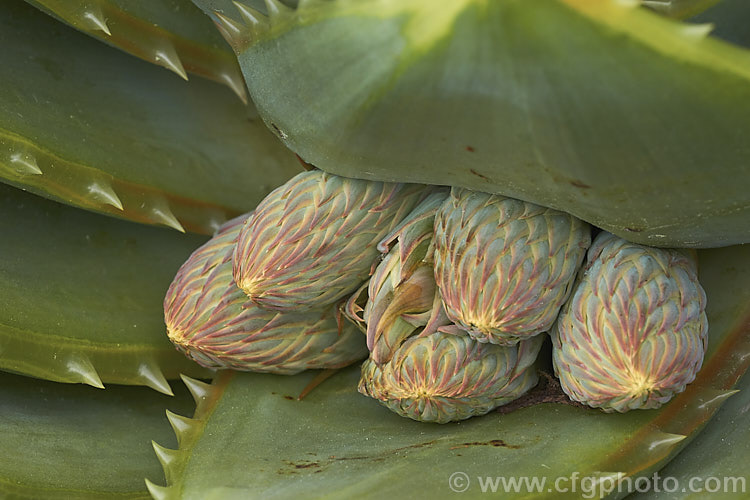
x=619, y=114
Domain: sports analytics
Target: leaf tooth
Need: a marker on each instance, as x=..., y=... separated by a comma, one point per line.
x=167, y=57
x=662, y=442
x=199, y=390
x=180, y=425
x=93, y=19
x=235, y=82
x=251, y=17
x=697, y=31
x=713, y=399
x=167, y=457
x=234, y=32
x=79, y=365
x=25, y=164
x=103, y=192
x=150, y=374
x=160, y=492
x=277, y=10
x=162, y=214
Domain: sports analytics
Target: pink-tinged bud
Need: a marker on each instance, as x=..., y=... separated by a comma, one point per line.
x=213, y=322
x=633, y=333
x=313, y=241
x=505, y=267
x=415, y=368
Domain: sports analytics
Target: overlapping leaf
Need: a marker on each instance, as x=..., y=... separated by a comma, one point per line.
x=250, y=437
x=170, y=33
x=629, y=120
x=81, y=295
x=87, y=125
x=74, y=442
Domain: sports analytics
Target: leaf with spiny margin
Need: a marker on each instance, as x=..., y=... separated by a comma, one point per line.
x=629, y=120
x=81, y=295
x=336, y=443
x=74, y=442
x=96, y=128
x=171, y=33
x=721, y=451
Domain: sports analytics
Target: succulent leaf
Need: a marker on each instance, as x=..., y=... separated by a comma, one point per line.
x=505, y=267
x=633, y=333
x=171, y=33
x=313, y=241
x=720, y=452
x=347, y=453
x=68, y=442
x=572, y=104
x=91, y=127
x=80, y=295
x=214, y=323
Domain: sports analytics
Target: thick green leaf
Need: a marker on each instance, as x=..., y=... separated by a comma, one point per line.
x=717, y=460
x=93, y=127
x=170, y=33
x=81, y=295
x=250, y=438
x=632, y=121
x=73, y=442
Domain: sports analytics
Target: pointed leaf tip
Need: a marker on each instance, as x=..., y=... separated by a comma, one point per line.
x=151, y=376
x=158, y=492
x=104, y=193
x=167, y=57
x=166, y=456
x=181, y=425
x=199, y=390
x=25, y=164
x=665, y=440
x=80, y=366
x=232, y=31
x=163, y=215
x=95, y=19
x=276, y=8
x=250, y=16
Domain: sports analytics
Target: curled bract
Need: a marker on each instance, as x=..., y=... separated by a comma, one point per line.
x=415, y=368
x=634, y=331
x=213, y=322
x=505, y=267
x=313, y=240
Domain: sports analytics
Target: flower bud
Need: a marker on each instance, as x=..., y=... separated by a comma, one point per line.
x=213, y=322
x=505, y=267
x=634, y=331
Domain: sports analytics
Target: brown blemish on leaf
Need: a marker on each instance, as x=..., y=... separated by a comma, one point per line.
x=579, y=184
x=498, y=443
x=292, y=467
x=483, y=177
x=470, y=149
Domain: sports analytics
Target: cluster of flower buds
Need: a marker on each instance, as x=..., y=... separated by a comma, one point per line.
x=420, y=366
x=262, y=294
x=454, y=290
